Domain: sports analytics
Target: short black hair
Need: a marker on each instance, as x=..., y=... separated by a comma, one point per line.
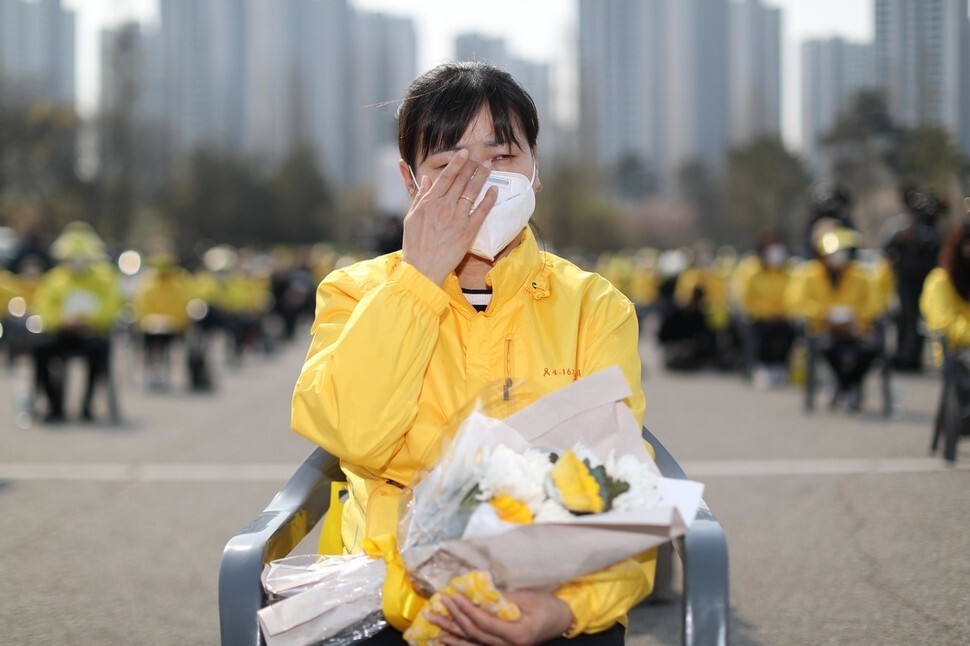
x=441, y=103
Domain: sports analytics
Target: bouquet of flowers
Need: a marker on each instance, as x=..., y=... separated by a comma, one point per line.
x=563, y=488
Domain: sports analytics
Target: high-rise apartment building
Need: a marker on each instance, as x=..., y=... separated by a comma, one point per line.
x=534, y=77
x=384, y=51
x=194, y=62
x=622, y=80
x=132, y=74
x=755, y=70
x=37, y=50
x=923, y=62
x=664, y=80
x=260, y=77
x=698, y=114
x=834, y=71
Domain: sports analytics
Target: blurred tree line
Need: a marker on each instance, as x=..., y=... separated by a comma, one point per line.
x=117, y=174
x=764, y=185
x=113, y=173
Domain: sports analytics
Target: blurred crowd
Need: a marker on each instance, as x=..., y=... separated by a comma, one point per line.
x=758, y=312
x=75, y=298
x=762, y=311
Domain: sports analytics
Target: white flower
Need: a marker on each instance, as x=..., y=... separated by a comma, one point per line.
x=517, y=475
x=552, y=512
x=644, y=488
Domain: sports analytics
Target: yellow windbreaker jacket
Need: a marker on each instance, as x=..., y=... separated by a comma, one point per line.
x=92, y=297
x=717, y=308
x=943, y=309
x=810, y=294
x=164, y=296
x=760, y=290
x=8, y=290
x=394, y=357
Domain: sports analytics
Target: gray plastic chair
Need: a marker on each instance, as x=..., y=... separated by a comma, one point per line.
x=303, y=501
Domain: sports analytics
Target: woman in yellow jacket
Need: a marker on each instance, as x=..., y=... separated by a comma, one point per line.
x=832, y=295
x=760, y=281
x=78, y=302
x=161, y=314
x=945, y=299
x=403, y=342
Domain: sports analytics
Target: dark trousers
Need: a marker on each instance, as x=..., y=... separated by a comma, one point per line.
x=157, y=346
x=772, y=341
x=614, y=636
x=50, y=360
x=850, y=359
x=909, y=341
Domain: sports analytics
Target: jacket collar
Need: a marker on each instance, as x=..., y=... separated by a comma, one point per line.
x=509, y=276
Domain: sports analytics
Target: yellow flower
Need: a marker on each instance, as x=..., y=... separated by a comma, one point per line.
x=578, y=490
x=511, y=510
x=478, y=588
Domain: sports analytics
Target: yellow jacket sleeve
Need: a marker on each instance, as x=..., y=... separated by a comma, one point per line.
x=8, y=290
x=943, y=309
x=742, y=285
x=110, y=300
x=601, y=599
x=686, y=282
x=357, y=393
x=803, y=296
x=612, y=340
x=882, y=289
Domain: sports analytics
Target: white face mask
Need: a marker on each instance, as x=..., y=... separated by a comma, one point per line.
x=513, y=208
x=838, y=260
x=511, y=213
x=776, y=255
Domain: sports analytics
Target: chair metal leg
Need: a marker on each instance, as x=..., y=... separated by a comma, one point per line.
x=887, y=387
x=951, y=424
x=940, y=418
x=810, y=374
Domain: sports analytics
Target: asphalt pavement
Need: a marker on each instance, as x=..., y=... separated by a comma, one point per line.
x=841, y=528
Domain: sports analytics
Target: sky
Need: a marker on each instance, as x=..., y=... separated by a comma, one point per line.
x=538, y=30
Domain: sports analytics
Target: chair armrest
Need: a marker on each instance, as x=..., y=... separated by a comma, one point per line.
x=704, y=555
x=288, y=518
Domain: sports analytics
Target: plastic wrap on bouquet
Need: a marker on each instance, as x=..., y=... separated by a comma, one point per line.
x=333, y=600
x=441, y=540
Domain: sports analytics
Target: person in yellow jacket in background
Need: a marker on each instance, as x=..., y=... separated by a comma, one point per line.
x=9, y=289
x=945, y=306
x=882, y=292
x=161, y=314
x=246, y=299
x=644, y=282
x=831, y=294
x=78, y=302
x=403, y=342
x=705, y=284
x=760, y=281
x=945, y=299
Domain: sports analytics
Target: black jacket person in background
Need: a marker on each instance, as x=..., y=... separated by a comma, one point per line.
x=913, y=249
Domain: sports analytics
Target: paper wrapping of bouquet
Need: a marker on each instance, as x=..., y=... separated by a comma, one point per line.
x=544, y=555
x=589, y=411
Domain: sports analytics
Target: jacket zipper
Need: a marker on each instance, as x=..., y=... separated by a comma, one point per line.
x=508, y=369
